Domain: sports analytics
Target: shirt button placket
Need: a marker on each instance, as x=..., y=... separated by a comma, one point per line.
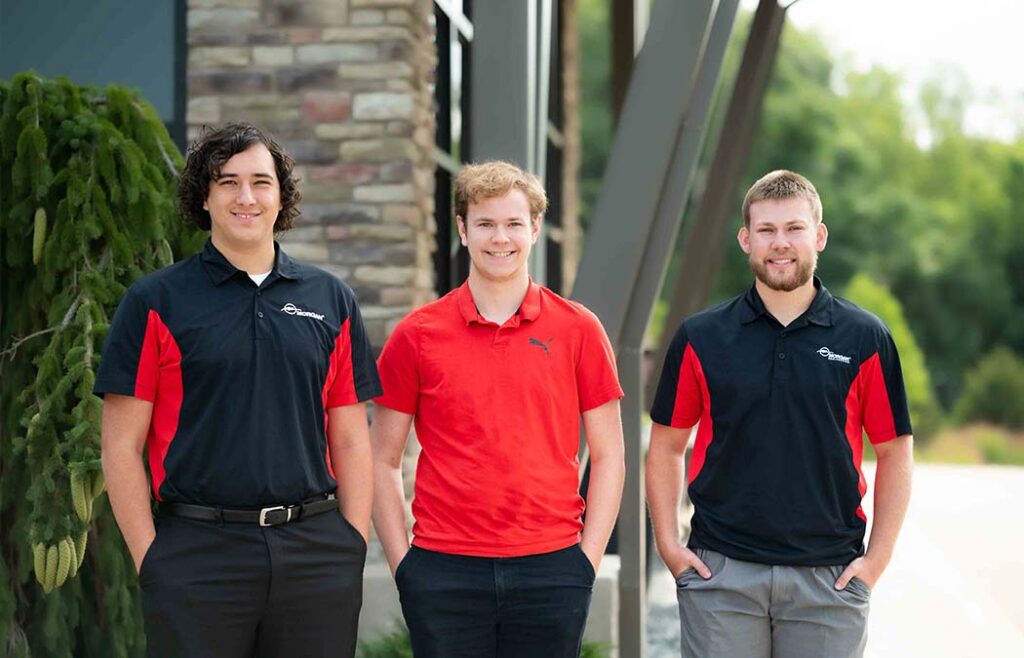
x=259, y=327
x=781, y=369
x=500, y=340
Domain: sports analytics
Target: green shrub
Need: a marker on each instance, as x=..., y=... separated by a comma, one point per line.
x=595, y=650
x=87, y=187
x=994, y=391
x=394, y=644
x=998, y=448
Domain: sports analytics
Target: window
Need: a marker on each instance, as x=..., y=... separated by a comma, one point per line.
x=453, y=38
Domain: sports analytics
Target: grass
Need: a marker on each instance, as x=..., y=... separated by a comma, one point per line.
x=975, y=444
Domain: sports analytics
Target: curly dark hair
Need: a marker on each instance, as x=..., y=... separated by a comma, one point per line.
x=208, y=154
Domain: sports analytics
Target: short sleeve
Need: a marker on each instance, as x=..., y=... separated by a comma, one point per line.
x=597, y=379
x=883, y=394
x=355, y=379
x=129, y=361
x=678, y=401
x=399, y=369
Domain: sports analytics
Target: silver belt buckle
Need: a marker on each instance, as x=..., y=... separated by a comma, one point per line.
x=267, y=510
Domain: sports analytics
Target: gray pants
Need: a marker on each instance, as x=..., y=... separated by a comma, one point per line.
x=748, y=610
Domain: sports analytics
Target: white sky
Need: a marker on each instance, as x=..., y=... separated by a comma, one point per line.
x=982, y=38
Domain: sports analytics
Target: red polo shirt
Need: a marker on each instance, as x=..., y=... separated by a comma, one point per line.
x=497, y=413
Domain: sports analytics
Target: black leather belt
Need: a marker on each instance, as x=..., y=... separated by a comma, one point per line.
x=265, y=517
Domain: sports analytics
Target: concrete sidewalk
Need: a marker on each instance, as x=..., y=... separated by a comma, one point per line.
x=955, y=587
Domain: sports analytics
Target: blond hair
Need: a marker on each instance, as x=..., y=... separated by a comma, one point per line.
x=779, y=185
x=494, y=178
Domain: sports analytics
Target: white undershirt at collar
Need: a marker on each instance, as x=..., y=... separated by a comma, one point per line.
x=258, y=278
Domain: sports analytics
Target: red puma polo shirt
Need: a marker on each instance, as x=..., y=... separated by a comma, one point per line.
x=497, y=413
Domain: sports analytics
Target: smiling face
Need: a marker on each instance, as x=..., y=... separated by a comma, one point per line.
x=499, y=233
x=244, y=201
x=783, y=242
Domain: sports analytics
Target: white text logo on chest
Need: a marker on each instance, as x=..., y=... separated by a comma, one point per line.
x=292, y=309
x=832, y=356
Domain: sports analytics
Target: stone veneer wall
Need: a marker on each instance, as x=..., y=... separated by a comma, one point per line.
x=344, y=85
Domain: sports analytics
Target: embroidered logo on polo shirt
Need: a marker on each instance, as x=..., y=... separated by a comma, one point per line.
x=543, y=346
x=832, y=356
x=292, y=309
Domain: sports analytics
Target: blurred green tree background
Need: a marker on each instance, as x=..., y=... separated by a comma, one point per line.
x=924, y=219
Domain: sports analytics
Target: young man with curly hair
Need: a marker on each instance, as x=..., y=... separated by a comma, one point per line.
x=242, y=373
x=497, y=376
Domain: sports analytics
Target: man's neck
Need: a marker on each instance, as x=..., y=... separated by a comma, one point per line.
x=255, y=260
x=786, y=306
x=497, y=301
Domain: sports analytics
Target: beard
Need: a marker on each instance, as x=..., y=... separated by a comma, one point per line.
x=783, y=282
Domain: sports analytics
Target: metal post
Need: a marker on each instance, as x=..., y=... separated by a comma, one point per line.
x=702, y=250
x=639, y=209
x=443, y=140
x=657, y=105
x=510, y=90
x=623, y=47
x=542, y=76
x=632, y=524
x=668, y=215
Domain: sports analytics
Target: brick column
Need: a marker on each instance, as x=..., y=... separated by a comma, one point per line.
x=343, y=85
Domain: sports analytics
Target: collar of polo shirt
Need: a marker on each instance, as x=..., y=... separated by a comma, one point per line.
x=528, y=311
x=220, y=269
x=819, y=312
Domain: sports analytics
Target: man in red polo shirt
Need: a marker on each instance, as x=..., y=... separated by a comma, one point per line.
x=496, y=376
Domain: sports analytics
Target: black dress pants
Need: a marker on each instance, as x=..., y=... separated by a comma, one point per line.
x=239, y=590
x=458, y=606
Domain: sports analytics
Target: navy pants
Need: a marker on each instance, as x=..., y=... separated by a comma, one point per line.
x=227, y=590
x=473, y=607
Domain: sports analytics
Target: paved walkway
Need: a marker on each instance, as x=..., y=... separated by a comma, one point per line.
x=955, y=587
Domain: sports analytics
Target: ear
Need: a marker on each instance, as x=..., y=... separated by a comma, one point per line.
x=460, y=224
x=821, y=237
x=535, y=228
x=743, y=237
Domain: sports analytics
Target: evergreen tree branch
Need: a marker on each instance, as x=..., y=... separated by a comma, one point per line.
x=163, y=151
x=16, y=343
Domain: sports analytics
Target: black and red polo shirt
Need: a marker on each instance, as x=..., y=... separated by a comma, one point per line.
x=240, y=377
x=775, y=475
